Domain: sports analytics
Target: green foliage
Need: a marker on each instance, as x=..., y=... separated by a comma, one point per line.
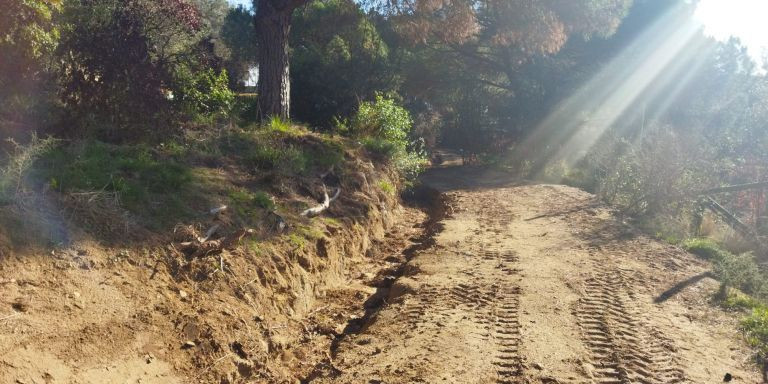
x=755, y=328
x=245, y=107
x=309, y=232
x=297, y=241
x=275, y=123
x=707, y=249
x=742, y=272
x=384, y=128
x=386, y=186
x=137, y=173
x=28, y=37
x=250, y=206
x=281, y=151
x=382, y=119
x=733, y=271
x=205, y=94
x=26, y=31
x=338, y=59
x=740, y=301
x=381, y=147
x=13, y=176
x=239, y=35
x=121, y=59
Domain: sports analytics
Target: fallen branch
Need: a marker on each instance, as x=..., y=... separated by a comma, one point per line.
x=218, y=245
x=218, y=209
x=314, y=211
x=210, y=233
x=733, y=188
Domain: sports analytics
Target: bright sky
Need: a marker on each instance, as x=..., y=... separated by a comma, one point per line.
x=246, y=3
x=745, y=19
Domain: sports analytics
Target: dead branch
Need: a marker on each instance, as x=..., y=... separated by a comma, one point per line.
x=218, y=245
x=210, y=233
x=314, y=211
x=218, y=209
x=733, y=188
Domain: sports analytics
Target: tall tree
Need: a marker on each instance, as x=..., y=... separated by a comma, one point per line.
x=496, y=34
x=273, y=28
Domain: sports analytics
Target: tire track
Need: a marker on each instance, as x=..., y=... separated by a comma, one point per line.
x=622, y=348
x=507, y=335
x=504, y=316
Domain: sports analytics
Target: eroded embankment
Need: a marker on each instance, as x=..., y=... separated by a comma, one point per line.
x=436, y=207
x=265, y=311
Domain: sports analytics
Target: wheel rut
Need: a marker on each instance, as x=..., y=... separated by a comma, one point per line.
x=623, y=348
x=530, y=284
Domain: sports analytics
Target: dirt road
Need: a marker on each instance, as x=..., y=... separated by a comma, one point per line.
x=542, y=284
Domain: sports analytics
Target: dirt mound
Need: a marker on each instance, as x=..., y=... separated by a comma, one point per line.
x=261, y=308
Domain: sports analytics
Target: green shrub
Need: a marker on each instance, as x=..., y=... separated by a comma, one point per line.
x=380, y=147
x=204, y=94
x=19, y=163
x=755, y=328
x=275, y=150
x=382, y=119
x=733, y=271
x=742, y=272
x=739, y=300
x=245, y=107
x=707, y=249
x=387, y=187
x=384, y=128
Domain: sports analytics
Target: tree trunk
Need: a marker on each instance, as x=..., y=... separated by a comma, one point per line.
x=273, y=25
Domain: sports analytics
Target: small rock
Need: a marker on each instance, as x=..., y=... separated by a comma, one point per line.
x=537, y=366
x=188, y=344
x=21, y=305
x=728, y=377
x=182, y=294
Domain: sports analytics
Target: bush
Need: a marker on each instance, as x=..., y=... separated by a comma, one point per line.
x=742, y=272
x=13, y=176
x=119, y=59
x=275, y=123
x=382, y=119
x=734, y=271
x=384, y=128
x=644, y=176
x=707, y=249
x=387, y=187
x=204, y=94
x=755, y=328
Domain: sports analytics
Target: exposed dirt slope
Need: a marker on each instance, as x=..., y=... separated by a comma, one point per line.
x=541, y=284
x=265, y=311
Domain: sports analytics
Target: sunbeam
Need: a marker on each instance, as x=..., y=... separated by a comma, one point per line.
x=661, y=60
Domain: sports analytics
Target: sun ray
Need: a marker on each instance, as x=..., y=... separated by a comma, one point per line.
x=657, y=65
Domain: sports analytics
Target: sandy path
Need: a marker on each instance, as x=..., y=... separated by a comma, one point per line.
x=541, y=284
